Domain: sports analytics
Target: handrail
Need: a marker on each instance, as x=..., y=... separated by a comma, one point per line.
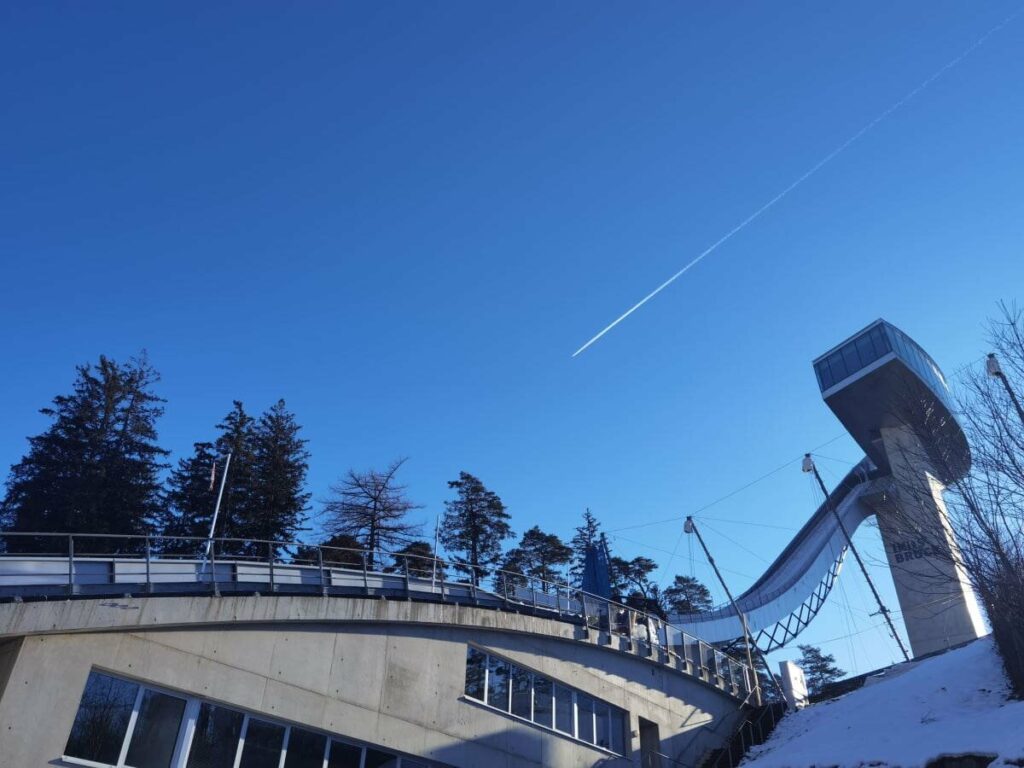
x=645, y=631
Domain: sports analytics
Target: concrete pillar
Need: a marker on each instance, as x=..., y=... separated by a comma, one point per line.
x=938, y=603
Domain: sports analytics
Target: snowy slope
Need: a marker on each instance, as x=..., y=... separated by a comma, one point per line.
x=951, y=704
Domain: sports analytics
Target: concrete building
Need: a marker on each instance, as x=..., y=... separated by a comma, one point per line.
x=270, y=667
x=122, y=658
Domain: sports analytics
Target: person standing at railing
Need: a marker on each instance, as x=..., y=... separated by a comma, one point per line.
x=640, y=629
x=622, y=622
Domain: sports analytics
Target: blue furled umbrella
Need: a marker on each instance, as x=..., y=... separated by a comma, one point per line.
x=595, y=572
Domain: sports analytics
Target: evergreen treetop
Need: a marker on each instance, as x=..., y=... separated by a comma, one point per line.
x=540, y=556
x=587, y=535
x=264, y=495
x=474, y=526
x=687, y=594
x=819, y=668
x=96, y=468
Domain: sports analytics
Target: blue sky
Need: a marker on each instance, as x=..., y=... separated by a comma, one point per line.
x=404, y=217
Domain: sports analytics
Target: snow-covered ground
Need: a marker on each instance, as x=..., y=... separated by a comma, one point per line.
x=951, y=704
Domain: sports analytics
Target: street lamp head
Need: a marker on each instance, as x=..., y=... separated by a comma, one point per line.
x=808, y=465
x=992, y=366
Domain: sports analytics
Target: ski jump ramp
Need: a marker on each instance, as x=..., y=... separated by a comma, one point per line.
x=894, y=401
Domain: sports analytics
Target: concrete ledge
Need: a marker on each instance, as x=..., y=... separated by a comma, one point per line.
x=133, y=614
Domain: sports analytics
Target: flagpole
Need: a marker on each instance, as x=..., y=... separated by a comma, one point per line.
x=433, y=572
x=216, y=509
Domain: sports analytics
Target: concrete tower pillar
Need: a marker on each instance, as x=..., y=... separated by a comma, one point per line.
x=938, y=604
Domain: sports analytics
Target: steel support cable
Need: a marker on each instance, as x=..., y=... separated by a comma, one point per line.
x=665, y=551
x=726, y=496
x=850, y=620
x=855, y=634
x=810, y=466
x=732, y=541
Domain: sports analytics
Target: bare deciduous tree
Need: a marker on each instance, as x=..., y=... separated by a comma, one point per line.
x=985, y=504
x=372, y=508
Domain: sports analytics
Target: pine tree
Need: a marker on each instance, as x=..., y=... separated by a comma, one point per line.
x=372, y=507
x=543, y=556
x=688, y=595
x=819, y=668
x=278, y=501
x=264, y=495
x=419, y=558
x=237, y=438
x=96, y=468
x=511, y=572
x=587, y=535
x=339, y=551
x=189, y=502
x=474, y=526
x=630, y=578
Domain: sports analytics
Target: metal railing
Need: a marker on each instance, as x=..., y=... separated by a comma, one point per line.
x=753, y=731
x=49, y=565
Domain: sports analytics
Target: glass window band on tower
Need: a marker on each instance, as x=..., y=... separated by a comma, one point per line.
x=540, y=700
x=873, y=343
x=858, y=353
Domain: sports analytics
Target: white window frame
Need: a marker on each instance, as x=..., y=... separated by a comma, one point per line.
x=555, y=685
x=132, y=721
x=190, y=715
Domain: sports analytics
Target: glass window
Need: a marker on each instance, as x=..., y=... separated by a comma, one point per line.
x=305, y=749
x=542, y=693
x=377, y=759
x=850, y=358
x=215, y=740
x=344, y=755
x=263, y=742
x=563, y=710
x=881, y=343
x=102, y=720
x=156, y=731
x=618, y=731
x=602, y=726
x=497, y=682
x=476, y=663
x=866, y=350
x=522, y=692
x=835, y=362
x=824, y=375
x=584, y=718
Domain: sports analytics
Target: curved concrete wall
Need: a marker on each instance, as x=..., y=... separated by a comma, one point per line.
x=386, y=672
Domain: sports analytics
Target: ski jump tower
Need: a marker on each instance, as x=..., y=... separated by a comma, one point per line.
x=893, y=399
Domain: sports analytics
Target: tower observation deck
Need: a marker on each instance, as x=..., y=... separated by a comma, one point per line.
x=894, y=401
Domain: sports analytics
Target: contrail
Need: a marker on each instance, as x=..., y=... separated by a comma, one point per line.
x=813, y=170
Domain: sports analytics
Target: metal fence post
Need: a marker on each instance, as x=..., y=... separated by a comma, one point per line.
x=71, y=564
x=149, y=580
x=213, y=568
x=320, y=565
x=366, y=582
x=270, y=561
x=408, y=588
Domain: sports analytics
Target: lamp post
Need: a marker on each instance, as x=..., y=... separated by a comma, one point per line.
x=808, y=466
x=995, y=370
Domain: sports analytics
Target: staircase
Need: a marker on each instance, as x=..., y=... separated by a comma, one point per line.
x=754, y=729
